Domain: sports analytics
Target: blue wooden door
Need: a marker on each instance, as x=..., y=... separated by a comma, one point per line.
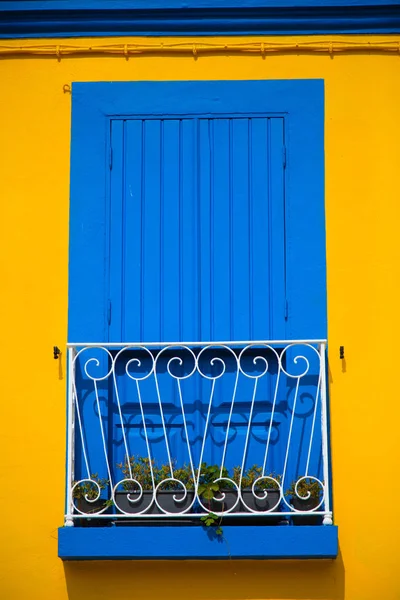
x=197, y=253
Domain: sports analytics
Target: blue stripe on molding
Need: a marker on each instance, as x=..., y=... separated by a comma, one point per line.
x=22, y=5
x=31, y=19
x=185, y=542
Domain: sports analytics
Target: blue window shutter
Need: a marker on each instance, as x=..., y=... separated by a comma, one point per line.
x=197, y=244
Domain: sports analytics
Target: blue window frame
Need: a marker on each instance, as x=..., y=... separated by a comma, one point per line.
x=197, y=213
x=290, y=112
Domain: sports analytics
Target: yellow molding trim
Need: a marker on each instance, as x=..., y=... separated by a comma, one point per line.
x=195, y=49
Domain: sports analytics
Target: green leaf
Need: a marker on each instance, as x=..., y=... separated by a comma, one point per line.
x=218, y=531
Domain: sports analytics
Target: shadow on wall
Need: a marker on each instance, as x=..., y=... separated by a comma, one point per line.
x=206, y=580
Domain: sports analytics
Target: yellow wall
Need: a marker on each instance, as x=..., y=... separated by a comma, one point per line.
x=363, y=216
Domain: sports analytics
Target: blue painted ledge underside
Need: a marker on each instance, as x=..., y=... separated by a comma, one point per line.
x=30, y=19
x=171, y=542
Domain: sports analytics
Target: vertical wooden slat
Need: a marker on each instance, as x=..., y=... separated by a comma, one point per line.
x=189, y=232
x=151, y=242
x=277, y=228
x=260, y=230
x=205, y=200
x=240, y=245
x=133, y=238
x=116, y=248
x=169, y=226
x=220, y=231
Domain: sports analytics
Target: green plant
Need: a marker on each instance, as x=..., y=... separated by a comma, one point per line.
x=183, y=474
x=88, y=490
x=149, y=474
x=211, y=479
x=208, y=487
x=307, y=488
x=140, y=469
x=213, y=520
x=252, y=474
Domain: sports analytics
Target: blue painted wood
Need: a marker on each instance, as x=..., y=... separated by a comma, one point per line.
x=115, y=229
x=88, y=252
x=301, y=106
x=105, y=543
x=22, y=5
x=197, y=17
x=241, y=245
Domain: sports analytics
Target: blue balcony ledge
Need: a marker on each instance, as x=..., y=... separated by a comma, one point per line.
x=185, y=542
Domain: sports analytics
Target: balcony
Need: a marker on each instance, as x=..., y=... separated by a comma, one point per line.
x=208, y=437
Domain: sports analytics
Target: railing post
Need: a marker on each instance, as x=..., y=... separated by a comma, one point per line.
x=69, y=522
x=324, y=431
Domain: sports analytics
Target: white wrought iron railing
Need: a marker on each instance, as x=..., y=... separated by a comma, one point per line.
x=167, y=430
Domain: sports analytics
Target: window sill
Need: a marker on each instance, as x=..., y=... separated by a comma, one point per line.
x=169, y=542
